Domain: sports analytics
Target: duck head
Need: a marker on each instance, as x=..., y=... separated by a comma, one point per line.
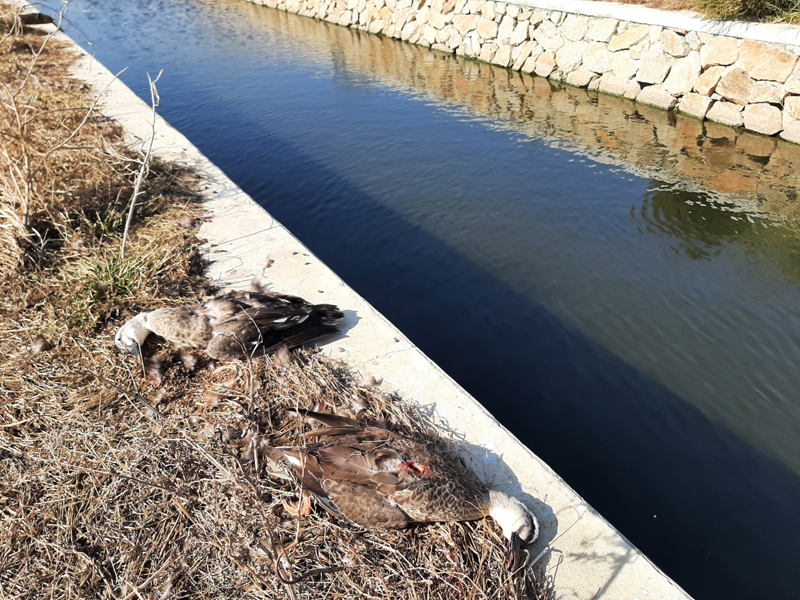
x=131, y=336
x=519, y=525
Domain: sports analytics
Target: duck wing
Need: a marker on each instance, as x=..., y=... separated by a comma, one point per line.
x=184, y=326
x=253, y=319
x=344, y=491
x=371, y=473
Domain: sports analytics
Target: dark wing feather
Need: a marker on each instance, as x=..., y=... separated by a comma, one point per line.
x=252, y=319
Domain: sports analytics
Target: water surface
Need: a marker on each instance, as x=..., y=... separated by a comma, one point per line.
x=618, y=285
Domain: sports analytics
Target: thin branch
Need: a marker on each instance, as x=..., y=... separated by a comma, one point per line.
x=155, y=100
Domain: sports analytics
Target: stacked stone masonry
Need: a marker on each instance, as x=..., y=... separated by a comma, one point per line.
x=736, y=82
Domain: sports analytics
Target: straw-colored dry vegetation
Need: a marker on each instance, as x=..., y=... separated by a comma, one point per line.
x=787, y=11
x=127, y=480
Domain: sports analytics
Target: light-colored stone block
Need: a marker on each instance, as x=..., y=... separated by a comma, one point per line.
x=655, y=66
x=735, y=86
x=763, y=118
x=708, y=80
x=547, y=35
x=791, y=129
x=429, y=33
x=764, y=61
x=538, y=17
x=570, y=55
x=410, y=29
x=487, y=52
x=602, y=30
x=674, y=44
x=658, y=96
x=683, y=75
x=792, y=84
x=726, y=113
x=611, y=84
x=695, y=105
x=597, y=58
x=575, y=27
x=765, y=91
x=455, y=40
x=529, y=66
x=546, y=63
x=654, y=33
x=640, y=50
x=693, y=40
x=633, y=90
x=521, y=53
x=628, y=38
x=503, y=55
x=486, y=29
x=506, y=28
x=437, y=20
x=791, y=107
x=622, y=66
x=465, y=23
x=581, y=77
x=719, y=50
x=520, y=33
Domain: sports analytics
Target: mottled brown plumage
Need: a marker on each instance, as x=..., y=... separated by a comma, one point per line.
x=381, y=479
x=235, y=324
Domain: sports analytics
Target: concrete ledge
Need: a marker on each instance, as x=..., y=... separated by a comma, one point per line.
x=689, y=20
x=586, y=555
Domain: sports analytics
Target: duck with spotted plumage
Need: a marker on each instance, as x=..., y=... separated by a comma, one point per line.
x=377, y=478
x=234, y=325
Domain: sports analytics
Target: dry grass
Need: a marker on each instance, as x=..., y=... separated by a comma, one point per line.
x=101, y=496
x=105, y=497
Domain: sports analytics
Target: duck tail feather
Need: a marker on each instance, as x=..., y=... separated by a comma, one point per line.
x=304, y=333
x=328, y=314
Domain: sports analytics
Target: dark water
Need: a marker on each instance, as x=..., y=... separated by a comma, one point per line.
x=618, y=285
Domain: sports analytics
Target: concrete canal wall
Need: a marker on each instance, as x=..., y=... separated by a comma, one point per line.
x=584, y=554
x=742, y=75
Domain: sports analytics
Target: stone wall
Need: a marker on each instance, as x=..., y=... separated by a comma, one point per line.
x=738, y=82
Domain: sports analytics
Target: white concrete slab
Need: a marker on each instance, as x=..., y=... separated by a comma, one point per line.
x=777, y=33
x=586, y=555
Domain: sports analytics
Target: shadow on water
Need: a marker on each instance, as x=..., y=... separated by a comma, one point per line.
x=699, y=501
x=616, y=284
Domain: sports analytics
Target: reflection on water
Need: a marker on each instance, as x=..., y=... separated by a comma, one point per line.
x=617, y=284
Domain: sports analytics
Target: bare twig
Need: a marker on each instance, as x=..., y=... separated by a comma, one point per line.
x=155, y=100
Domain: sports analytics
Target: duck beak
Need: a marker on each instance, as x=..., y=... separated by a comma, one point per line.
x=514, y=560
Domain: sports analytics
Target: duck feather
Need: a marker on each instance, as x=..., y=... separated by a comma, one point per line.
x=378, y=478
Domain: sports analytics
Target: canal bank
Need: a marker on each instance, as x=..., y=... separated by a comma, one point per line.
x=586, y=556
x=737, y=74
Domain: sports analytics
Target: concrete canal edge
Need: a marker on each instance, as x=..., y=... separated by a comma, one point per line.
x=738, y=74
x=587, y=557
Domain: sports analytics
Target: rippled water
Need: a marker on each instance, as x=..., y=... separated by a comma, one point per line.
x=618, y=285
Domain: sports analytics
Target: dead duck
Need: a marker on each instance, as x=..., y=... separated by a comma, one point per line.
x=234, y=324
x=380, y=479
